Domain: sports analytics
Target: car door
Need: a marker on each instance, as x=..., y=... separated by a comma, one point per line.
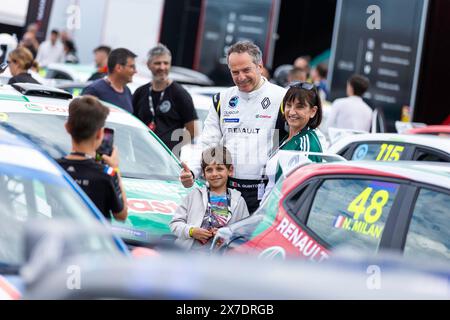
x=287, y=236
x=353, y=212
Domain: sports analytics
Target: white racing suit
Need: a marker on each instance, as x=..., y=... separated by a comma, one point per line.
x=245, y=123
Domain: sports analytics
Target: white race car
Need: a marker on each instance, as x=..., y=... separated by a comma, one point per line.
x=392, y=147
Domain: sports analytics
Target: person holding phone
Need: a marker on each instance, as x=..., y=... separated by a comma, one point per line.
x=94, y=161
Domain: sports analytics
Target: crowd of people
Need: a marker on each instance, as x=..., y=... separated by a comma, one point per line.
x=238, y=151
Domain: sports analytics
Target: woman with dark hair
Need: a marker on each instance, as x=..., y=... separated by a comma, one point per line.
x=19, y=61
x=303, y=114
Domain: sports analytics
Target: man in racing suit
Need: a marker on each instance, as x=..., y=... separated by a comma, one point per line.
x=245, y=119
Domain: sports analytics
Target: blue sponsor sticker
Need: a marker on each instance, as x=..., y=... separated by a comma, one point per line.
x=360, y=152
x=231, y=120
x=233, y=102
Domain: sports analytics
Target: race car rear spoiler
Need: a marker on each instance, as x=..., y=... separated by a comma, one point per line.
x=37, y=90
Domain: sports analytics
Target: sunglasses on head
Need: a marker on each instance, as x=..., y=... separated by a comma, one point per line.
x=301, y=85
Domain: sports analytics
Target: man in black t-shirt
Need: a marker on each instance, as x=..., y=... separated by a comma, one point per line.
x=101, y=181
x=163, y=104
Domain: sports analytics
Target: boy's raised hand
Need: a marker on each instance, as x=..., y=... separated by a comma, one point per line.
x=186, y=177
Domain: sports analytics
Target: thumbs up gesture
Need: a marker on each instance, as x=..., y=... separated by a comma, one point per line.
x=186, y=177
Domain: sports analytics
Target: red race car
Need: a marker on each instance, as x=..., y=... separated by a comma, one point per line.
x=363, y=206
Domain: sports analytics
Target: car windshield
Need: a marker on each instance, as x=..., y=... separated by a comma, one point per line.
x=30, y=195
x=141, y=156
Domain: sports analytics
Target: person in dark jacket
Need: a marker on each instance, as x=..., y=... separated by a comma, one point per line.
x=19, y=61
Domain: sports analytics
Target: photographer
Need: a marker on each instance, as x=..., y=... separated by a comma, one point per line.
x=101, y=182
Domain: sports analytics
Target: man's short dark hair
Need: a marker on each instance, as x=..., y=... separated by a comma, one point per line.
x=55, y=31
x=359, y=83
x=218, y=154
x=86, y=115
x=105, y=49
x=119, y=56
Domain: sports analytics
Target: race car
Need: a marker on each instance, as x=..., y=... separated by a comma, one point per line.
x=362, y=206
x=150, y=171
x=33, y=187
x=392, y=147
x=69, y=72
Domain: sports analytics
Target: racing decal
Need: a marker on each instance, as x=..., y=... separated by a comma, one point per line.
x=360, y=152
x=231, y=120
x=231, y=113
x=128, y=232
x=165, y=106
x=7, y=291
x=4, y=117
x=367, y=209
x=389, y=152
x=244, y=130
x=265, y=103
x=38, y=108
x=33, y=107
x=263, y=116
x=301, y=241
x=152, y=206
x=233, y=102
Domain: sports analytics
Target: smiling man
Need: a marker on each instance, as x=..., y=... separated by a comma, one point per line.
x=113, y=88
x=162, y=104
x=244, y=119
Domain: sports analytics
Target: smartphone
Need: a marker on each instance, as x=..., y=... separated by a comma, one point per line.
x=107, y=144
x=3, y=67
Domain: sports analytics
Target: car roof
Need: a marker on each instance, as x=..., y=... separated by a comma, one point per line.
x=435, y=174
x=424, y=140
x=14, y=101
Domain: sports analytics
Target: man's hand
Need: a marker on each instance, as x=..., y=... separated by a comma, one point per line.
x=186, y=176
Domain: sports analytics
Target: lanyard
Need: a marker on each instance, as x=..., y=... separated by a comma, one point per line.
x=150, y=101
x=152, y=124
x=209, y=209
x=82, y=154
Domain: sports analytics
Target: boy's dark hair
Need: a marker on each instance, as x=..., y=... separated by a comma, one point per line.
x=306, y=96
x=359, y=83
x=218, y=154
x=86, y=115
x=322, y=70
x=119, y=56
x=55, y=31
x=105, y=49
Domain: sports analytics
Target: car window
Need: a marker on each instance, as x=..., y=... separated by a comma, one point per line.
x=352, y=212
x=429, y=230
x=379, y=151
x=31, y=195
x=140, y=154
x=430, y=155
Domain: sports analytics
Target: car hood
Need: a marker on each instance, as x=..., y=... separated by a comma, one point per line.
x=151, y=205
